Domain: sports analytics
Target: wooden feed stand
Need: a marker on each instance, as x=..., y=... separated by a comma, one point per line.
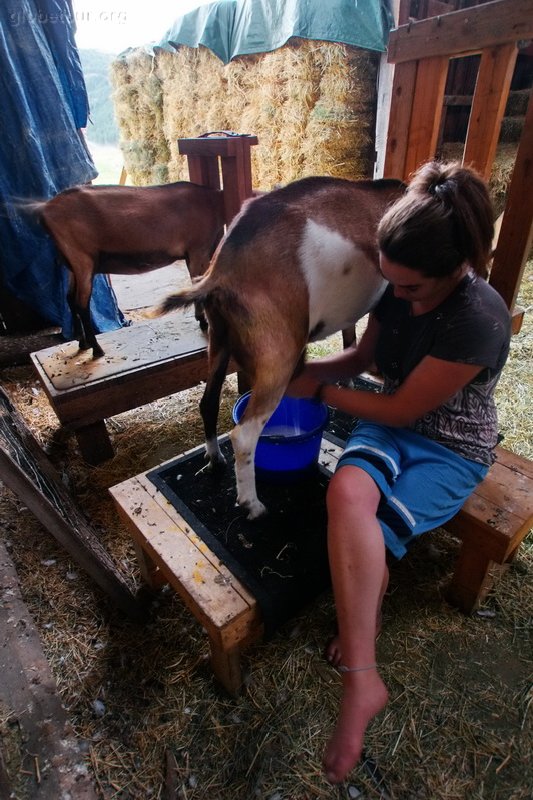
x=150, y=360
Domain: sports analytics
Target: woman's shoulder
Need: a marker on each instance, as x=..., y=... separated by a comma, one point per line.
x=478, y=297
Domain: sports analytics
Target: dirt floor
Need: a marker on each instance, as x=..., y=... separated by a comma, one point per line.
x=150, y=719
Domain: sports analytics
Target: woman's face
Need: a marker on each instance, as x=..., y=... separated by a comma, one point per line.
x=411, y=285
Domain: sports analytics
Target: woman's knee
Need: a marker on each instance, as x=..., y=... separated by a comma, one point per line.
x=352, y=486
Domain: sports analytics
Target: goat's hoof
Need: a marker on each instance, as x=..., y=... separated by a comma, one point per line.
x=216, y=463
x=213, y=465
x=255, y=509
x=98, y=352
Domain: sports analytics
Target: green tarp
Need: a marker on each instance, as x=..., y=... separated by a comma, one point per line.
x=231, y=28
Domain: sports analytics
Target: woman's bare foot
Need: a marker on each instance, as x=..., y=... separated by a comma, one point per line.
x=364, y=696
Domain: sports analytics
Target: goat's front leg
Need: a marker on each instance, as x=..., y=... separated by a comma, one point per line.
x=244, y=438
x=264, y=400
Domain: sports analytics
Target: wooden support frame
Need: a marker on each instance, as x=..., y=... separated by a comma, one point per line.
x=421, y=52
x=234, y=167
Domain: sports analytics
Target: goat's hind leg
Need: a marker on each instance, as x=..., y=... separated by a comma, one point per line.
x=210, y=402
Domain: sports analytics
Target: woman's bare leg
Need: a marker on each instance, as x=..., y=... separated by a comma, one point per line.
x=333, y=652
x=359, y=572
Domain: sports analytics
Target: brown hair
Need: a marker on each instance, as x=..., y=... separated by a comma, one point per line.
x=444, y=219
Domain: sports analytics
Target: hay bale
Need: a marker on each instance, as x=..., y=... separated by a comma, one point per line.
x=139, y=110
x=517, y=103
x=511, y=129
x=311, y=105
x=501, y=173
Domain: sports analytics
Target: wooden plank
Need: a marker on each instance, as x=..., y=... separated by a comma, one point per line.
x=204, y=170
x=234, y=185
x=134, y=347
x=427, y=112
x=472, y=579
x=27, y=471
x=82, y=407
x=184, y=564
x=43, y=758
x=462, y=32
x=514, y=462
x=403, y=87
x=213, y=145
x=510, y=491
x=486, y=526
x=488, y=106
x=516, y=233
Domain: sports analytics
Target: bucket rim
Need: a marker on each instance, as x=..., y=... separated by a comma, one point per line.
x=278, y=439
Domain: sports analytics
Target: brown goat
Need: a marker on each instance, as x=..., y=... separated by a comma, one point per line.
x=127, y=230
x=296, y=265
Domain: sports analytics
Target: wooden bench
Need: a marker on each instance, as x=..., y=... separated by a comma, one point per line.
x=142, y=363
x=491, y=525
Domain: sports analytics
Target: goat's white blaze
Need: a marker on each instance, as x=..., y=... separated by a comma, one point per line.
x=342, y=281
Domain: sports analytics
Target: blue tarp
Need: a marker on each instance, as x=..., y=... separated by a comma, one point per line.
x=233, y=28
x=42, y=152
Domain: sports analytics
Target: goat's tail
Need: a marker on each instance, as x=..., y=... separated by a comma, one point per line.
x=184, y=298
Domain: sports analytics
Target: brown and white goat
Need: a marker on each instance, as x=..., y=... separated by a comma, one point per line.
x=296, y=265
x=127, y=230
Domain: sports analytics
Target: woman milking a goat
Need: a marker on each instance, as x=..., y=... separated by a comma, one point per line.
x=439, y=337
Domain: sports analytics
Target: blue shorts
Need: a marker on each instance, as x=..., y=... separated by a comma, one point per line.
x=422, y=483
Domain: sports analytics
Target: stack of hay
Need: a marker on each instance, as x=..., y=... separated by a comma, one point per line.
x=310, y=103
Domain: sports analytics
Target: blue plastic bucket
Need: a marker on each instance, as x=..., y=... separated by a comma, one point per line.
x=289, y=445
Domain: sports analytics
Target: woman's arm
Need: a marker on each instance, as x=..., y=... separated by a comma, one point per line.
x=345, y=364
x=428, y=386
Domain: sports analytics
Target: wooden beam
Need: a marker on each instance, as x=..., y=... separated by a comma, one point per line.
x=469, y=30
x=426, y=113
x=488, y=106
x=26, y=470
x=403, y=87
x=516, y=233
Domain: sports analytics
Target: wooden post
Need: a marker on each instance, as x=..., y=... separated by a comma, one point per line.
x=516, y=233
x=488, y=106
x=227, y=154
